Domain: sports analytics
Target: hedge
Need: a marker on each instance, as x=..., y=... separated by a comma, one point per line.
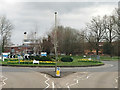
x=40, y=58
x=67, y=59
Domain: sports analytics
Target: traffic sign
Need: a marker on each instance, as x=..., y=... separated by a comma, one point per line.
x=58, y=71
x=43, y=54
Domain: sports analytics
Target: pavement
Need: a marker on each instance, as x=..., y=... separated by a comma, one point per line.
x=105, y=76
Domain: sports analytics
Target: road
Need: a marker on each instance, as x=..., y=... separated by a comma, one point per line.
x=105, y=76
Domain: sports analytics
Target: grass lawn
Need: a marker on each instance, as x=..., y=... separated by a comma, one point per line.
x=114, y=58
x=59, y=63
x=78, y=63
x=74, y=63
x=102, y=58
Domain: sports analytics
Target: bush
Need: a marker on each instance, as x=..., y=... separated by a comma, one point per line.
x=44, y=59
x=40, y=58
x=31, y=57
x=66, y=59
x=34, y=57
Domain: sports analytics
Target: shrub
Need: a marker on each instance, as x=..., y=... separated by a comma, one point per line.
x=44, y=59
x=66, y=59
x=34, y=57
x=40, y=58
x=52, y=57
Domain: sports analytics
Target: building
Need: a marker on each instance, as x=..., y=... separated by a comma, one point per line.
x=29, y=46
x=93, y=51
x=32, y=44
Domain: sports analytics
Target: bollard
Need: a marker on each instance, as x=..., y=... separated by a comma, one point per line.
x=58, y=72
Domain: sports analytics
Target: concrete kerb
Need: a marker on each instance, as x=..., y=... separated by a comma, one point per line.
x=50, y=66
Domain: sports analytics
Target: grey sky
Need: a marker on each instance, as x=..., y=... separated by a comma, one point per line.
x=26, y=15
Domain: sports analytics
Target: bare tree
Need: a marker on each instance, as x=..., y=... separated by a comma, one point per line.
x=95, y=30
x=47, y=44
x=5, y=31
x=90, y=43
x=116, y=21
x=110, y=31
x=69, y=40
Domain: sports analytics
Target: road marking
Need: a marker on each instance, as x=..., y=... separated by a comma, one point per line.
x=68, y=87
x=88, y=77
x=53, y=86
x=3, y=81
x=116, y=81
x=77, y=80
x=46, y=82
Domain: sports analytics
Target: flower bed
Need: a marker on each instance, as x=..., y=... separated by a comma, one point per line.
x=48, y=62
x=29, y=62
x=88, y=60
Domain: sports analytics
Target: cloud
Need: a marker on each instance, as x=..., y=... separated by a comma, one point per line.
x=25, y=15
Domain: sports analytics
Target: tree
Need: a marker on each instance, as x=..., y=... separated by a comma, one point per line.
x=110, y=32
x=90, y=41
x=106, y=48
x=5, y=31
x=47, y=45
x=69, y=40
x=95, y=32
x=116, y=19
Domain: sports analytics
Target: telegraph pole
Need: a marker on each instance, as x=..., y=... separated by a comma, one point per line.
x=55, y=40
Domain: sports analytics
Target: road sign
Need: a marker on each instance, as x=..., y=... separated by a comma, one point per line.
x=58, y=71
x=5, y=55
x=43, y=54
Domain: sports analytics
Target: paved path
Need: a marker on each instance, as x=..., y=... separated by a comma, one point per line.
x=85, y=77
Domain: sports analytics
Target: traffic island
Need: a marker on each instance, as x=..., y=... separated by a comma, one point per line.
x=62, y=74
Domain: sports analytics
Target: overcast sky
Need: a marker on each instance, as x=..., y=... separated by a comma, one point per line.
x=25, y=16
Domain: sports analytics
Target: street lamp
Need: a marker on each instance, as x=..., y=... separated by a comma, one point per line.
x=55, y=41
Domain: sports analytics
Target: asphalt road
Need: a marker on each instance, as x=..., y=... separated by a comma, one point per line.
x=105, y=76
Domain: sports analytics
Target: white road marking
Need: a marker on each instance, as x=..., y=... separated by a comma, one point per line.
x=53, y=86
x=116, y=81
x=3, y=81
x=68, y=87
x=46, y=82
x=77, y=80
x=88, y=77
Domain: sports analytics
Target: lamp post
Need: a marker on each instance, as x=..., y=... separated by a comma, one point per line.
x=2, y=47
x=55, y=41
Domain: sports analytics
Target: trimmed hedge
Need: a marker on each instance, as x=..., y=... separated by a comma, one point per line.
x=67, y=59
x=40, y=58
x=45, y=59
